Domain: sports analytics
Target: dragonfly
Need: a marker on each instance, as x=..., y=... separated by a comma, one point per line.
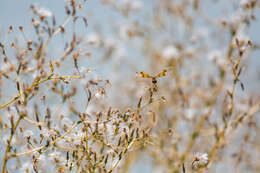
x=154, y=78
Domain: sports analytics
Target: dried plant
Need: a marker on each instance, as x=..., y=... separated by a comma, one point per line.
x=156, y=78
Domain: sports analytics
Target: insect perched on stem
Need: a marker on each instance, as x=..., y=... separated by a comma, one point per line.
x=154, y=78
x=154, y=87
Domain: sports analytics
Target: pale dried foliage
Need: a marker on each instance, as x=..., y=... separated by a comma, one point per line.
x=161, y=79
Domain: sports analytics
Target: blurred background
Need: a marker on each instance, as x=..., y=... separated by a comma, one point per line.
x=124, y=37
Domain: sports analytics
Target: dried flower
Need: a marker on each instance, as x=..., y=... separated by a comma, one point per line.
x=200, y=160
x=170, y=52
x=93, y=39
x=28, y=133
x=43, y=12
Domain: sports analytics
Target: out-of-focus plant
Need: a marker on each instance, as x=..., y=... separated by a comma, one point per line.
x=185, y=105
